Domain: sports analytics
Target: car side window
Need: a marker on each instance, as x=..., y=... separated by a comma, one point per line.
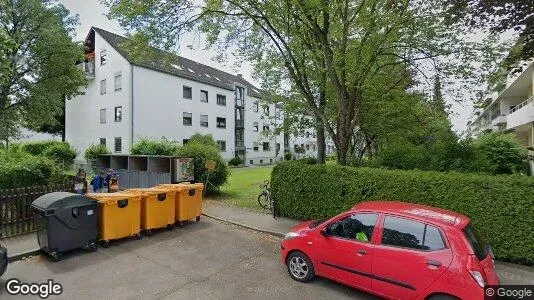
x=357, y=227
x=411, y=234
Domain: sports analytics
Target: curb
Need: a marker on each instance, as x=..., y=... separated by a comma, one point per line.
x=273, y=233
x=19, y=256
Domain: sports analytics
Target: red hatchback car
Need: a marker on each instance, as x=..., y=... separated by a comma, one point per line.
x=395, y=250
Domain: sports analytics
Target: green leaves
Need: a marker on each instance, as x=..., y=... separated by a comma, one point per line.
x=499, y=206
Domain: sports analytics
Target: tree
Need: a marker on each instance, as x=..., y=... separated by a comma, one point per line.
x=502, y=152
x=499, y=16
x=331, y=47
x=38, y=65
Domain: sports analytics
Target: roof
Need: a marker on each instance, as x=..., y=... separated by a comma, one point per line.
x=180, y=66
x=426, y=213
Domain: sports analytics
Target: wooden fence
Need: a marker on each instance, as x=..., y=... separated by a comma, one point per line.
x=16, y=214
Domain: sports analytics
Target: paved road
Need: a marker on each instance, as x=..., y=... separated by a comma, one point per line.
x=206, y=260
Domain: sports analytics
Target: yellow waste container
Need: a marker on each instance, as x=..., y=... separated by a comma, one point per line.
x=188, y=201
x=157, y=207
x=119, y=215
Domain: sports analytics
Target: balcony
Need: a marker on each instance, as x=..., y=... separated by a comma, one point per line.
x=88, y=67
x=498, y=120
x=521, y=114
x=239, y=124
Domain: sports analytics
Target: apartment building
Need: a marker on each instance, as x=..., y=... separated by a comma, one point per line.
x=511, y=109
x=172, y=97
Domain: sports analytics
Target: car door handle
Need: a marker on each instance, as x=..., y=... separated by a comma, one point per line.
x=433, y=263
x=362, y=252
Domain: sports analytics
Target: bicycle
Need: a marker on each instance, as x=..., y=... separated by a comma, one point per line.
x=264, y=199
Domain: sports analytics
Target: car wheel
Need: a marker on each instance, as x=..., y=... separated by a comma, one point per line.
x=300, y=267
x=442, y=297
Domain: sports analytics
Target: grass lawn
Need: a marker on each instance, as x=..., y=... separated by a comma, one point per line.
x=243, y=187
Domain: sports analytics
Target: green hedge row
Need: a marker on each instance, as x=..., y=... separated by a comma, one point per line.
x=501, y=207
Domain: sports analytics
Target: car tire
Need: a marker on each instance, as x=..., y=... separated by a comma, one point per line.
x=442, y=297
x=300, y=267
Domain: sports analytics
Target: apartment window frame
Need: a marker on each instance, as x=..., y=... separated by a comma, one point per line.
x=102, y=142
x=221, y=122
x=268, y=148
x=103, y=86
x=185, y=141
x=222, y=145
x=190, y=91
x=187, y=119
x=256, y=106
x=117, y=84
x=117, y=145
x=118, y=114
x=221, y=100
x=103, y=116
x=103, y=57
x=202, y=122
x=202, y=93
x=256, y=127
x=266, y=128
x=266, y=110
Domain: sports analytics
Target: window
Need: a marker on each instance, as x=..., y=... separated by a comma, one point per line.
x=266, y=146
x=203, y=120
x=403, y=233
x=357, y=227
x=102, y=87
x=187, y=119
x=203, y=96
x=103, y=57
x=261, y=161
x=265, y=127
x=221, y=122
x=256, y=127
x=256, y=148
x=433, y=239
x=477, y=242
x=103, y=141
x=118, y=81
x=308, y=147
x=118, y=144
x=222, y=145
x=307, y=135
x=266, y=110
x=118, y=113
x=221, y=100
x=187, y=92
x=239, y=96
x=103, y=116
x=251, y=162
x=255, y=107
x=185, y=141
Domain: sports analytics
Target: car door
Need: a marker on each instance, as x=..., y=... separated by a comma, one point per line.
x=345, y=249
x=409, y=256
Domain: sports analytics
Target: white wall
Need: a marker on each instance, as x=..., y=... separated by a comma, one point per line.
x=82, y=113
x=159, y=106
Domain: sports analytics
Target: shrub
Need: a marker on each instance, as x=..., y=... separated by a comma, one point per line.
x=308, y=160
x=21, y=169
x=500, y=206
x=236, y=161
x=288, y=156
x=152, y=147
x=503, y=153
x=38, y=148
x=62, y=153
x=94, y=151
x=202, y=150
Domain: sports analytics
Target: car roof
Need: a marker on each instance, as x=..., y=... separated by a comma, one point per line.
x=426, y=213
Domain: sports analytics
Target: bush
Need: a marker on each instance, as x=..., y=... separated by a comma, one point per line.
x=308, y=160
x=94, y=151
x=152, y=147
x=62, y=153
x=288, y=156
x=500, y=206
x=502, y=153
x=21, y=169
x=38, y=148
x=203, y=149
x=236, y=161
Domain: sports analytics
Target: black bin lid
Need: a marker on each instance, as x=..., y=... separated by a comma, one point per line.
x=57, y=200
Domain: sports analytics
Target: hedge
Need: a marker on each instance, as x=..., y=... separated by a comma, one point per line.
x=501, y=207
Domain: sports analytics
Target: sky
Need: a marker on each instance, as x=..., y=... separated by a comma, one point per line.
x=92, y=13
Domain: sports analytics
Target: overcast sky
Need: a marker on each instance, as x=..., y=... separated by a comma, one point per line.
x=91, y=13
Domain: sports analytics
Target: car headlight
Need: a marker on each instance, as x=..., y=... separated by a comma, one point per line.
x=291, y=235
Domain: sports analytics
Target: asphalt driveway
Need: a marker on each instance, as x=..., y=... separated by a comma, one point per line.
x=206, y=260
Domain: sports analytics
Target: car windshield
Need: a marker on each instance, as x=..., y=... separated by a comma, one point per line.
x=477, y=242
x=318, y=222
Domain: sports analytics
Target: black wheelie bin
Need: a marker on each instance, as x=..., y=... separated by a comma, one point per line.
x=65, y=221
x=3, y=260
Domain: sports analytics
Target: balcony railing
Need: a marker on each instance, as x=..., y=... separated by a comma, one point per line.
x=522, y=104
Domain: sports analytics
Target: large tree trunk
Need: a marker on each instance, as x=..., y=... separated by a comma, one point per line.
x=321, y=141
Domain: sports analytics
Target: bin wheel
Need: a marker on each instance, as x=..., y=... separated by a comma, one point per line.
x=56, y=256
x=92, y=247
x=198, y=219
x=170, y=227
x=148, y=232
x=180, y=224
x=138, y=236
x=105, y=244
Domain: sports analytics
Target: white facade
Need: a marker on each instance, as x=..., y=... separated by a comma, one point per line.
x=511, y=109
x=155, y=104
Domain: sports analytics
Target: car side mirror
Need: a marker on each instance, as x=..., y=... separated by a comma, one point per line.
x=325, y=232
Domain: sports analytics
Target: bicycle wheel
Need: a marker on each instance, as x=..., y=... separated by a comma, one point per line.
x=263, y=201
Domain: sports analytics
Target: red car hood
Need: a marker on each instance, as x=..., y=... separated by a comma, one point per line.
x=301, y=227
